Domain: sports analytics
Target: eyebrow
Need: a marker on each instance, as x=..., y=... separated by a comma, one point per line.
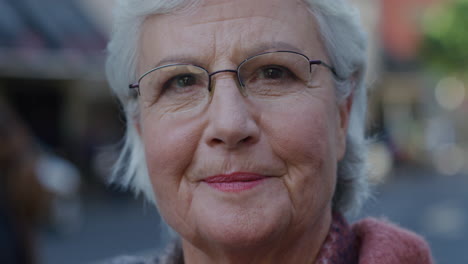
x=271, y=46
x=188, y=59
x=250, y=52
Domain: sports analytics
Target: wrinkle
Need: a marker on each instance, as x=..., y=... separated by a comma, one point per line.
x=225, y=20
x=287, y=178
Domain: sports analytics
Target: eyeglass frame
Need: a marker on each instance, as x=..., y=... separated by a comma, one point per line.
x=136, y=85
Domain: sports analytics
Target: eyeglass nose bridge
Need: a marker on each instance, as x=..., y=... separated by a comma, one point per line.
x=240, y=84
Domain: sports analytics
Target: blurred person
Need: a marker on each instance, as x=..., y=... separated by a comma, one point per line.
x=246, y=129
x=23, y=201
x=62, y=180
x=36, y=188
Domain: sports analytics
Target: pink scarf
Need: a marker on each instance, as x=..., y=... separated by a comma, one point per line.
x=340, y=246
x=372, y=241
x=369, y=241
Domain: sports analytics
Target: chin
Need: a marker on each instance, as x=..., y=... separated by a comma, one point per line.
x=255, y=222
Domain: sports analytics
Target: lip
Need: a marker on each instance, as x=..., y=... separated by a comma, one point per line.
x=235, y=182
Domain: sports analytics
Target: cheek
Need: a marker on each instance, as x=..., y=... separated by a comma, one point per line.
x=169, y=148
x=303, y=134
x=304, y=138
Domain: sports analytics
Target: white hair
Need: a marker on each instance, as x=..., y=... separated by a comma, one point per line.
x=345, y=43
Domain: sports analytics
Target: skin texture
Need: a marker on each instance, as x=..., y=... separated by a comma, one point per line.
x=296, y=140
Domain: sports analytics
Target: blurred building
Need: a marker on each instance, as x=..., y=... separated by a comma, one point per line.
x=419, y=111
x=51, y=70
x=416, y=114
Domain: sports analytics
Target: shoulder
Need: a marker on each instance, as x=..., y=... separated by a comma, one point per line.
x=131, y=260
x=382, y=242
x=171, y=255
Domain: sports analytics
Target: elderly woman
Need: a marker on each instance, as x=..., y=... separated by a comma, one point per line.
x=246, y=129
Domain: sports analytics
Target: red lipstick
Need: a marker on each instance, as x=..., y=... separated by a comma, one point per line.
x=235, y=182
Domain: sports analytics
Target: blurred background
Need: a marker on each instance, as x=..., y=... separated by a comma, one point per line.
x=59, y=121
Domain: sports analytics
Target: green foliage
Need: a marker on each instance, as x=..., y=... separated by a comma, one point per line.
x=445, y=29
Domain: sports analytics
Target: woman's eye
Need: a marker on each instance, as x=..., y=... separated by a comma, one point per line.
x=182, y=81
x=274, y=73
x=185, y=80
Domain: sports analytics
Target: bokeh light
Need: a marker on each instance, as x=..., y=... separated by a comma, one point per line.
x=449, y=159
x=450, y=93
x=381, y=161
x=446, y=219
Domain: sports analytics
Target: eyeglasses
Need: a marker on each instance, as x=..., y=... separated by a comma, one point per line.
x=267, y=76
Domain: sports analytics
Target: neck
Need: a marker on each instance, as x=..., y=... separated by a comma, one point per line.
x=294, y=246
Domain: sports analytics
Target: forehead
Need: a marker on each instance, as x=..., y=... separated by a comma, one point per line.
x=214, y=30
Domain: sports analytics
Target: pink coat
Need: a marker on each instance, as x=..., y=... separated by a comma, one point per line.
x=369, y=241
x=384, y=243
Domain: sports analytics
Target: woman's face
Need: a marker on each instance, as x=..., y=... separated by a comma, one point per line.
x=242, y=171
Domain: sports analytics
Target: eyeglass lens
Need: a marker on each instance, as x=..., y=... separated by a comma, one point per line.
x=182, y=87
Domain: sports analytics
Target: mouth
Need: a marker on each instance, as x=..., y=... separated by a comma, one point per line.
x=235, y=182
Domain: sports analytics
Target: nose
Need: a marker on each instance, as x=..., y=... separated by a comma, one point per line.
x=231, y=122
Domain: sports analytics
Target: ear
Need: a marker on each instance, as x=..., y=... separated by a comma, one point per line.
x=344, y=113
x=137, y=124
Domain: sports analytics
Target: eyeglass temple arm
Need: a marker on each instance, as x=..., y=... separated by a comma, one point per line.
x=332, y=69
x=135, y=86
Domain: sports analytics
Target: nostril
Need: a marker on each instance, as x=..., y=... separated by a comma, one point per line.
x=246, y=140
x=217, y=141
